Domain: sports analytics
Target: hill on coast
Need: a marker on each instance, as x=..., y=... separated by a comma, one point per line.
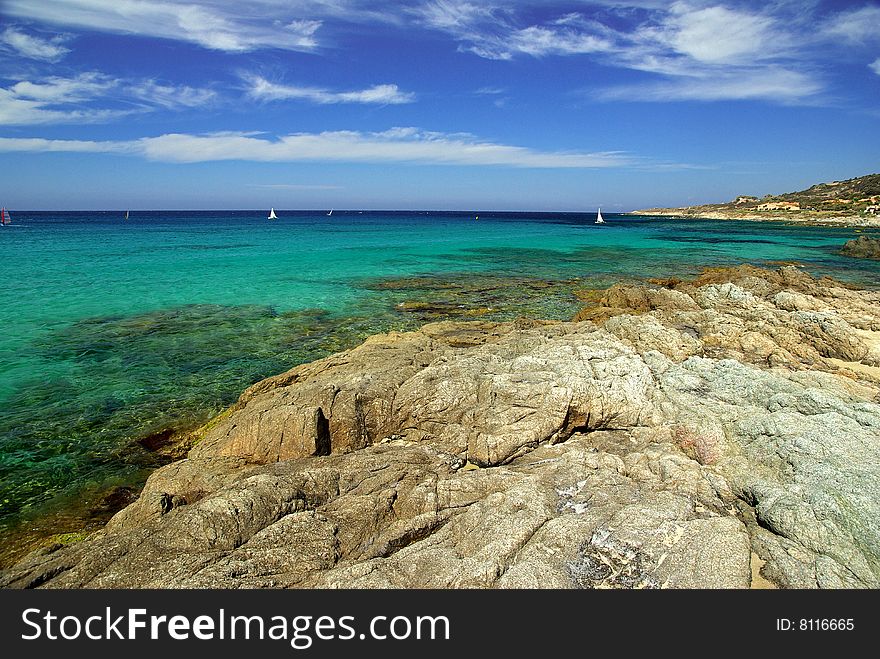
x=855, y=200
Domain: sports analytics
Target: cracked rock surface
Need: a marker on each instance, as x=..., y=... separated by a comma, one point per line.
x=678, y=433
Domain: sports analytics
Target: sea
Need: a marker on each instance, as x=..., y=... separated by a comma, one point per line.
x=114, y=332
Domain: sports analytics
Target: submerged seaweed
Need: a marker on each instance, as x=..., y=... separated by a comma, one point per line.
x=468, y=296
x=131, y=378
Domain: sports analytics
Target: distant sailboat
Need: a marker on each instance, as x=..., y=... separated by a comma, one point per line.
x=5, y=220
x=330, y=213
x=126, y=215
x=272, y=215
x=599, y=219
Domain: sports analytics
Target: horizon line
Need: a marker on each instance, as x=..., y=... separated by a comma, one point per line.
x=300, y=210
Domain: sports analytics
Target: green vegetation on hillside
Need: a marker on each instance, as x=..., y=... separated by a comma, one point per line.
x=853, y=197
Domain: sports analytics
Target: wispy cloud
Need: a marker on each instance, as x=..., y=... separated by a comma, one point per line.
x=696, y=49
x=492, y=32
x=41, y=145
x=778, y=85
x=227, y=26
x=715, y=53
x=875, y=66
x=264, y=90
x=90, y=97
x=455, y=15
x=539, y=41
x=855, y=25
x=56, y=100
x=771, y=51
x=64, y=90
x=397, y=145
x=497, y=94
x=170, y=96
x=32, y=47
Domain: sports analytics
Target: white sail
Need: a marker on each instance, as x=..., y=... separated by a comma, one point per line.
x=330, y=213
x=126, y=215
x=272, y=215
x=599, y=219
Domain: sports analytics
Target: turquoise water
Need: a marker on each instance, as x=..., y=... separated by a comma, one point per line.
x=114, y=330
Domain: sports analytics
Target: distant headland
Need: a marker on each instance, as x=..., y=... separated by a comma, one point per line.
x=853, y=202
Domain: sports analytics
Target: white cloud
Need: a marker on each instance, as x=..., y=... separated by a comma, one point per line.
x=856, y=25
x=538, y=41
x=496, y=94
x=262, y=89
x=453, y=15
x=777, y=85
x=349, y=11
x=475, y=26
x=685, y=31
x=721, y=35
x=714, y=53
x=23, y=112
x=27, y=45
x=696, y=49
x=170, y=96
x=50, y=101
x=227, y=26
x=64, y=90
x=90, y=98
x=875, y=66
x=397, y=145
x=40, y=145
x=732, y=42
x=491, y=32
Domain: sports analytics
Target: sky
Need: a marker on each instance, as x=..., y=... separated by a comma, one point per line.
x=431, y=104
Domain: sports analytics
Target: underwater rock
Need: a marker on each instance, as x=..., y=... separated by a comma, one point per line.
x=862, y=247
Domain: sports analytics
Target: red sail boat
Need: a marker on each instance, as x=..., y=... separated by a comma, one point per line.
x=4, y=217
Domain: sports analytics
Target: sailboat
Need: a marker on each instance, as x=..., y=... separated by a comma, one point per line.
x=330, y=213
x=126, y=215
x=4, y=218
x=272, y=215
x=599, y=219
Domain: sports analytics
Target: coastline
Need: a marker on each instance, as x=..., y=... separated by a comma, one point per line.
x=133, y=372
x=354, y=412
x=788, y=217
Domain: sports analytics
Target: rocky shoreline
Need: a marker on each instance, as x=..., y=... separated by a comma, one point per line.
x=815, y=219
x=716, y=433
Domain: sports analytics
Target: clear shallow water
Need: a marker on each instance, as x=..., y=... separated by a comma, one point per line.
x=113, y=330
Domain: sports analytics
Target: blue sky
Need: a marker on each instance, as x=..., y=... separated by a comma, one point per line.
x=442, y=104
